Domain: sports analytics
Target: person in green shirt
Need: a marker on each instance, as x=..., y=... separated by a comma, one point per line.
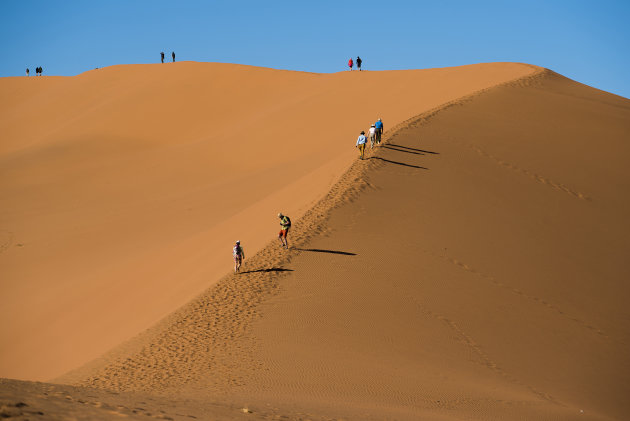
x=285, y=225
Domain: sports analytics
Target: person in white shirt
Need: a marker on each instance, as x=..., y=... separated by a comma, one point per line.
x=361, y=144
x=239, y=255
x=372, y=134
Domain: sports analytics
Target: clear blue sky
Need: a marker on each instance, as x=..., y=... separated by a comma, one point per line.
x=588, y=41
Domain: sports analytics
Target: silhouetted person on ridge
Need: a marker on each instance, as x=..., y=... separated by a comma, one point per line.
x=162, y=56
x=27, y=71
x=359, y=61
x=173, y=55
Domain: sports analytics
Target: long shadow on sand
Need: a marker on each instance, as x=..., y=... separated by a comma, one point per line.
x=408, y=149
x=268, y=270
x=346, y=253
x=398, y=163
x=400, y=149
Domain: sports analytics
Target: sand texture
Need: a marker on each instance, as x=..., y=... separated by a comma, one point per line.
x=472, y=268
x=123, y=189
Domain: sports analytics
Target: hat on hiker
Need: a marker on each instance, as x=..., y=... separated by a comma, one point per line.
x=280, y=215
x=362, y=132
x=238, y=241
x=372, y=125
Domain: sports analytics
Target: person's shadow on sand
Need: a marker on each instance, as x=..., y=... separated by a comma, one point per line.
x=398, y=163
x=408, y=149
x=346, y=253
x=267, y=270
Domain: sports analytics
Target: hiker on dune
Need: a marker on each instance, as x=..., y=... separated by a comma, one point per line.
x=350, y=63
x=285, y=225
x=239, y=255
x=379, y=131
x=372, y=134
x=359, y=61
x=361, y=144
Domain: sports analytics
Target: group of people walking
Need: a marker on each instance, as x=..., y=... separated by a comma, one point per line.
x=351, y=63
x=375, y=133
x=239, y=254
x=38, y=71
x=172, y=55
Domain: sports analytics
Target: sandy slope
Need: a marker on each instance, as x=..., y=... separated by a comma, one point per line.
x=122, y=189
x=489, y=284
x=473, y=268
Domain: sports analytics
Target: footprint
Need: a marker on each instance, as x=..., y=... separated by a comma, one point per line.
x=536, y=177
x=6, y=240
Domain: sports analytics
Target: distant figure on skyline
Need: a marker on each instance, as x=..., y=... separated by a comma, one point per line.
x=350, y=63
x=361, y=144
x=359, y=61
x=162, y=56
x=173, y=55
x=27, y=71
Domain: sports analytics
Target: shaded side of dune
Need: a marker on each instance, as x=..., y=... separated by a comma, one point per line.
x=488, y=275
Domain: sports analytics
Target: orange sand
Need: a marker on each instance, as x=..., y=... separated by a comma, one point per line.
x=124, y=188
x=474, y=267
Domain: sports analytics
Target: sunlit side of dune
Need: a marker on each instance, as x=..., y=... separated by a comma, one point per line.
x=123, y=188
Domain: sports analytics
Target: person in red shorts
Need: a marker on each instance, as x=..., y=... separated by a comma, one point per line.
x=285, y=225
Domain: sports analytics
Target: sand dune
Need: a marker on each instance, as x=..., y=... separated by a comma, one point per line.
x=123, y=188
x=472, y=268
x=468, y=270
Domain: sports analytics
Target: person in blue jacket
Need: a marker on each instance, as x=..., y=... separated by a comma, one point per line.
x=379, y=130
